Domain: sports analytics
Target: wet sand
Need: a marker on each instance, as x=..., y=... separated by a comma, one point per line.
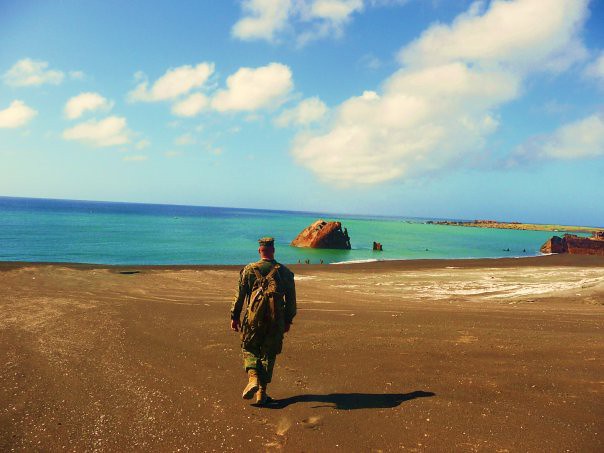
x=435, y=355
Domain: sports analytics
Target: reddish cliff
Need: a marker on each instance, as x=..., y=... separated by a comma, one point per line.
x=323, y=235
x=554, y=245
x=575, y=245
x=584, y=246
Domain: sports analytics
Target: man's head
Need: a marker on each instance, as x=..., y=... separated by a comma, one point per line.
x=266, y=248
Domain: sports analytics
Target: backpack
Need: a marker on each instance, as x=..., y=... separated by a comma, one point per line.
x=264, y=306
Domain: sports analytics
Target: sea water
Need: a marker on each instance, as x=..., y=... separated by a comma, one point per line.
x=129, y=233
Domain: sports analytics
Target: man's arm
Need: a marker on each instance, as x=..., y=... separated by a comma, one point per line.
x=290, y=300
x=240, y=294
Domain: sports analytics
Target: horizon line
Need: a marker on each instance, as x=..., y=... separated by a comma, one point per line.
x=330, y=214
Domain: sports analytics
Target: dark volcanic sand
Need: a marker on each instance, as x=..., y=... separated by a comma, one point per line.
x=476, y=355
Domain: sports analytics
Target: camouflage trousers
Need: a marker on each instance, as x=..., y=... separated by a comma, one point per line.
x=260, y=351
x=262, y=363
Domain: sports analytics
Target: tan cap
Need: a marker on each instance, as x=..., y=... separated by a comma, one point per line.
x=266, y=242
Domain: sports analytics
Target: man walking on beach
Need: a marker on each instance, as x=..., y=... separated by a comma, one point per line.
x=269, y=291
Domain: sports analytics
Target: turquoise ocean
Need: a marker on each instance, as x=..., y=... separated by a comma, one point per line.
x=128, y=233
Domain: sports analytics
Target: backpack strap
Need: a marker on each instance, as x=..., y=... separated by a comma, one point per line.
x=271, y=303
x=257, y=273
x=273, y=271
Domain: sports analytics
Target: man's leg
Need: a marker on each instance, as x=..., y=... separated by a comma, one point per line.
x=265, y=376
x=268, y=363
x=251, y=360
x=259, y=362
x=269, y=351
x=253, y=366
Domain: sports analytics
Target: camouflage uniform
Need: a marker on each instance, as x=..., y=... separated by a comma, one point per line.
x=262, y=352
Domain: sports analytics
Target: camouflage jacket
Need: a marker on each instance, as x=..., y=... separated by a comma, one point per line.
x=246, y=282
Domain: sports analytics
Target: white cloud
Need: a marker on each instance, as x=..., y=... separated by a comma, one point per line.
x=174, y=83
x=516, y=34
x=308, y=20
x=580, y=139
x=254, y=88
x=28, y=72
x=191, y=105
x=263, y=20
x=185, y=139
x=439, y=109
x=424, y=120
x=85, y=102
x=596, y=68
x=17, y=114
x=326, y=18
x=336, y=11
x=306, y=112
x=111, y=131
x=135, y=158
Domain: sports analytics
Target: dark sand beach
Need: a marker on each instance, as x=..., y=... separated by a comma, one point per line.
x=449, y=355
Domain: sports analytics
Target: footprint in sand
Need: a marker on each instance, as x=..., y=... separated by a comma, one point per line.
x=312, y=422
x=282, y=427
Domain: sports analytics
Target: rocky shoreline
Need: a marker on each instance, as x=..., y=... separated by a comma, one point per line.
x=576, y=245
x=515, y=226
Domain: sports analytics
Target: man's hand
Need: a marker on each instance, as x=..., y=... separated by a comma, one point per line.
x=287, y=326
x=235, y=325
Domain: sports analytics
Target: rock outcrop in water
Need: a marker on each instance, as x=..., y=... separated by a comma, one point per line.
x=554, y=245
x=323, y=235
x=576, y=245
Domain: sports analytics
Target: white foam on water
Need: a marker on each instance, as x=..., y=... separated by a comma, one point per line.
x=370, y=260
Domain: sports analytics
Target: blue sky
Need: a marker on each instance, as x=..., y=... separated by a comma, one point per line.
x=458, y=109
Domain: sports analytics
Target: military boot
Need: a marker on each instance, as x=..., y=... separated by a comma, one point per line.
x=261, y=397
x=252, y=384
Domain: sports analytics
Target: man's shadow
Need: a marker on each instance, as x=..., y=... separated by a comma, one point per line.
x=349, y=401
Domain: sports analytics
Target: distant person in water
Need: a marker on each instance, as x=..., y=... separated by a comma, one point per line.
x=268, y=290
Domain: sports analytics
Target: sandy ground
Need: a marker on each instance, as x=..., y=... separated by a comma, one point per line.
x=476, y=355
